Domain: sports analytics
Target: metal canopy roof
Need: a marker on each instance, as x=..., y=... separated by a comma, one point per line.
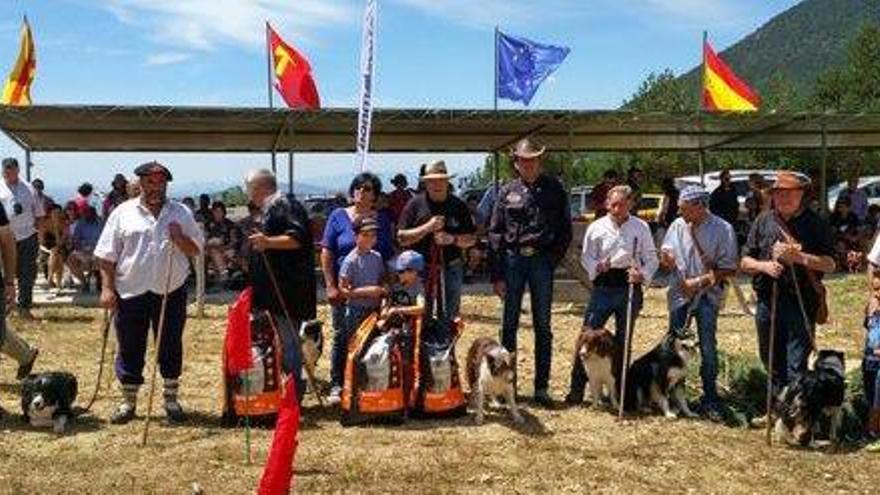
x=215, y=129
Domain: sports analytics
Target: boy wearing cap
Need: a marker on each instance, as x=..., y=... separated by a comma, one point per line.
x=784, y=243
x=699, y=252
x=407, y=295
x=133, y=250
x=361, y=284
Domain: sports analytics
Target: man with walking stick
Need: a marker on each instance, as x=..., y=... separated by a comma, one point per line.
x=700, y=253
x=789, y=247
x=529, y=235
x=282, y=267
x=618, y=252
x=143, y=252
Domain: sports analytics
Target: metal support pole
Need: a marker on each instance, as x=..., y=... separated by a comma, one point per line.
x=290, y=171
x=27, y=165
x=701, y=156
x=823, y=176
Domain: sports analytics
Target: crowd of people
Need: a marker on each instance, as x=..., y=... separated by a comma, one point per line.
x=406, y=234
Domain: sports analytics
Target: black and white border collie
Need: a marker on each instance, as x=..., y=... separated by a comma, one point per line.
x=47, y=400
x=814, y=394
x=659, y=375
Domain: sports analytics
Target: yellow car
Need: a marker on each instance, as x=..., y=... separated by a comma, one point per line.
x=648, y=209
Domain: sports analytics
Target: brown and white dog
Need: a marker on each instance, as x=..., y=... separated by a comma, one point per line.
x=595, y=349
x=490, y=372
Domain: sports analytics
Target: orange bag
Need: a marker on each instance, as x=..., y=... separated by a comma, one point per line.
x=255, y=392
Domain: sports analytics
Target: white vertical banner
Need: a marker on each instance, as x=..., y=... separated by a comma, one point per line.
x=365, y=114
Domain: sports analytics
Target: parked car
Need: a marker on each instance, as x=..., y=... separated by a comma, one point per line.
x=869, y=184
x=648, y=208
x=739, y=178
x=579, y=200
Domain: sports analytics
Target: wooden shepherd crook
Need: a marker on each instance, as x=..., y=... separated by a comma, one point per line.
x=770, y=351
x=158, y=344
x=628, y=340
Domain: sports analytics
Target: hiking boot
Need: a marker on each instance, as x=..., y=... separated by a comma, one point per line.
x=335, y=396
x=543, y=399
x=174, y=412
x=123, y=414
x=24, y=369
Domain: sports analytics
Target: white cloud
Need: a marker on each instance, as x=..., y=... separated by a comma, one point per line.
x=206, y=24
x=167, y=58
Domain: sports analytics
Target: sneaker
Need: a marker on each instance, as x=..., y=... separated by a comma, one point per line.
x=335, y=396
x=123, y=414
x=543, y=399
x=24, y=369
x=174, y=412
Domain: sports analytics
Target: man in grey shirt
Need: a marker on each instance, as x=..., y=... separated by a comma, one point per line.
x=699, y=252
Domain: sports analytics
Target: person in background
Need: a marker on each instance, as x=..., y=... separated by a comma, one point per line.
x=116, y=196
x=44, y=198
x=668, y=211
x=858, y=200
x=599, y=195
x=19, y=198
x=222, y=236
x=400, y=196
x=83, y=197
x=847, y=230
x=134, y=187
x=723, y=201
x=54, y=236
x=754, y=197
x=189, y=203
x=247, y=226
x=529, y=235
x=338, y=241
x=635, y=179
x=86, y=232
x=203, y=214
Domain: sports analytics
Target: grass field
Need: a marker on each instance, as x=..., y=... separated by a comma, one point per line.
x=564, y=450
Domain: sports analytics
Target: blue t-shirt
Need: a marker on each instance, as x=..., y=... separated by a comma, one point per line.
x=872, y=339
x=363, y=270
x=339, y=237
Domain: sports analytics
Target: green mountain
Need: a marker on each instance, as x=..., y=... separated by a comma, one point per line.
x=798, y=44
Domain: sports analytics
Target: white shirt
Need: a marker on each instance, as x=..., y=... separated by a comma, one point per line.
x=138, y=243
x=874, y=255
x=605, y=240
x=24, y=224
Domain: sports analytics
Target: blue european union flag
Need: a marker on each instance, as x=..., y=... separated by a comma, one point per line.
x=523, y=65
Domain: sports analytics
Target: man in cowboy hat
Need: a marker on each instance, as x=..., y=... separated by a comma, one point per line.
x=137, y=239
x=437, y=218
x=529, y=234
x=784, y=245
x=699, y=252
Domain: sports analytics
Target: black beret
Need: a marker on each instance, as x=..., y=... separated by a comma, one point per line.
x=150, y=168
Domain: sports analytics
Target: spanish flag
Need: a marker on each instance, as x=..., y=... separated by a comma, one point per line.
x=722, y=89
x=293, y=74
x=17, y=90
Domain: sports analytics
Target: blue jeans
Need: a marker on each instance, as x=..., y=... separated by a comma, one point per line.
x=871, y=380
x=346, y=319
x=453, y=274
x=606, y=302
x=792, y=344
x=706, y=314
x=291, y=360
x=536, y=272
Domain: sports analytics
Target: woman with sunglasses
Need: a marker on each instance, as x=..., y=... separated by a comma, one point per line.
x=338, y=241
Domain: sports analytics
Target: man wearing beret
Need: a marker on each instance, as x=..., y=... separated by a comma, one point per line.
x=788, y=246
x=699, y=252
x=133, y=250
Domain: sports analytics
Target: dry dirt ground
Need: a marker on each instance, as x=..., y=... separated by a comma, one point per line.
x=565, y=450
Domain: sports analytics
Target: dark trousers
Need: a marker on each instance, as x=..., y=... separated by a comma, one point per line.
x=134, y=319
x=27, y=251
x=291, y=359
x=871, y=381
x=791, y=343
x=606, y=302
x=536, y=272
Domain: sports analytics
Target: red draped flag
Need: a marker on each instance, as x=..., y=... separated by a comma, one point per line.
x=277, y=476
x=292, y=74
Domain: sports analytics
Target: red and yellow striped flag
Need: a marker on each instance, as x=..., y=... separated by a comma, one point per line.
x=17, y=90
x=723, y=90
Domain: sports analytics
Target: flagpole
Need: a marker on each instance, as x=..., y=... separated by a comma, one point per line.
x=269, y=85
x=496, y=156
x=701, y=156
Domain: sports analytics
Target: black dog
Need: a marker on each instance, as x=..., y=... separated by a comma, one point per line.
x=47, y=399
x=659, y=375
x=815, y=393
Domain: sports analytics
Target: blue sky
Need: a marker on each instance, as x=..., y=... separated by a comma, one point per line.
x=430, y=53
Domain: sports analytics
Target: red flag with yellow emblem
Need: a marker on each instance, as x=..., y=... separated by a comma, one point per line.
x=17, y=90
x=293, y=74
